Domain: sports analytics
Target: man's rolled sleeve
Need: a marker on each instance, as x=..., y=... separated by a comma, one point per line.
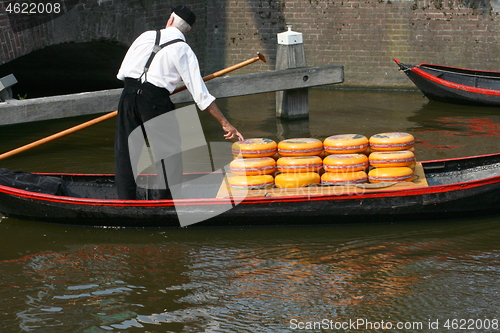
x=206, y=102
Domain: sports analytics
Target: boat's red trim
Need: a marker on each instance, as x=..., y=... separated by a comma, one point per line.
x=83, y=201
x=211, y=201
x=449, y=84
x=252, y=200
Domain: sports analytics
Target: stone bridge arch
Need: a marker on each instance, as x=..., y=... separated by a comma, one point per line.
x=78, y=21
x=79, y=48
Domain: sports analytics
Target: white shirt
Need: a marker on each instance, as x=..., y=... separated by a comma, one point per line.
x=173, y=63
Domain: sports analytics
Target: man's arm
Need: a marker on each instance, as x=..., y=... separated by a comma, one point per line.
x=230, y=130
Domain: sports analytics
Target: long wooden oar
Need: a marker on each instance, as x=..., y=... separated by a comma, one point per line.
x=227, y=70
x=114, y=113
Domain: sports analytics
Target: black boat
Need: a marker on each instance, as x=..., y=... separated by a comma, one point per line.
x=455, y=85
x=444, y=189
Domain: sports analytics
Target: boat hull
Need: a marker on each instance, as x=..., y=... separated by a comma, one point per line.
x=382, y=207
x=458, y=189
x=455, y=85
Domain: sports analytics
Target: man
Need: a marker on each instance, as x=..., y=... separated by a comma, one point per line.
x=149, y=78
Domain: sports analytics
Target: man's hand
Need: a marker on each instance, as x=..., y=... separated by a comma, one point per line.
x=230, y=130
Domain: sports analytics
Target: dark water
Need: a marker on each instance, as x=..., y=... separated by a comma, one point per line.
x=411, y=277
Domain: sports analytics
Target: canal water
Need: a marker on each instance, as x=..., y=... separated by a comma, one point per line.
x=408, y=277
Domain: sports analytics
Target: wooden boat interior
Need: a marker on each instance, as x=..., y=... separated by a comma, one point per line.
x=103, y=187
x=212, y=185
x=471, y=78
x=457, y=171
x=489, y=74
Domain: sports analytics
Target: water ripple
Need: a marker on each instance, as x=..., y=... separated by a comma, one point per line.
x=256, y=280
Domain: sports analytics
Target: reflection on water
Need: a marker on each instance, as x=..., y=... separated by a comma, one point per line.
x=68, y=279
x=457, y=130
x=250, y=279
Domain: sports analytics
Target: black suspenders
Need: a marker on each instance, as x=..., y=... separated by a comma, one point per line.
x=156, y=49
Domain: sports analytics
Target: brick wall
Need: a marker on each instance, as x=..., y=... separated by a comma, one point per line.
x=362, y=35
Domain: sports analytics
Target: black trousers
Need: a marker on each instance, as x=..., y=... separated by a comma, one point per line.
x=139, y=103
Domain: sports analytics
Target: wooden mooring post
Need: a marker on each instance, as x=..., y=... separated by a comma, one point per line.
x=294, y=103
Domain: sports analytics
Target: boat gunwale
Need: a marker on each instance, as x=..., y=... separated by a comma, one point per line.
x=450, y=69
x=462, y=71
x=388, y=192
x=453, y=85
x=449, y=84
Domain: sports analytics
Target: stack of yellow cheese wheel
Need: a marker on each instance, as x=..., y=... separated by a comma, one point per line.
x=258, y=147
x=300, y=147
x=392, y=157
x=299, y=162
x=343, y=169
x=344, y=158
x=345, y=144
x=253, y=166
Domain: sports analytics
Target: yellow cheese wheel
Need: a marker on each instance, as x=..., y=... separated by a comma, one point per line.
x=250, y=182
x=257, y=147
x=391, y=141
x=398, y=174
x=342, y=162
x=344, y=178
x=253, y=166
x=300, y=147
x=299, y=164
x=345, y=144
x=387, y=159
x=296, y=179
